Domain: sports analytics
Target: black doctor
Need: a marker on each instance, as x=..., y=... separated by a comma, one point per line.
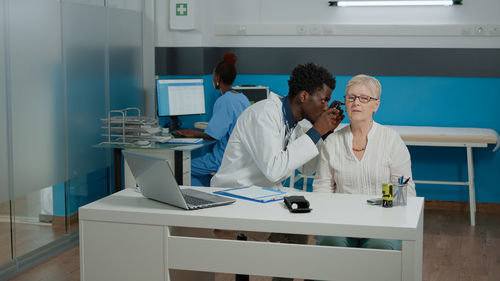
x=266, y=145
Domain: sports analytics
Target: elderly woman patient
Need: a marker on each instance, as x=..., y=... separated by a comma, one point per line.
x=361, y=157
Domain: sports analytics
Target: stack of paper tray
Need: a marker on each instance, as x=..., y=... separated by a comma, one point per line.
x=121, y=128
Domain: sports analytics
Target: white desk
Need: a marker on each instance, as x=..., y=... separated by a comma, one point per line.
x=127, y=237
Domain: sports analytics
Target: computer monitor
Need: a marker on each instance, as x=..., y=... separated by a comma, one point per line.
x=176, y=97
x=253, y=93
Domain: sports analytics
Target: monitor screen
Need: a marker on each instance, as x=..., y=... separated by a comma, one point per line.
x=180, y=97
x=253, y=93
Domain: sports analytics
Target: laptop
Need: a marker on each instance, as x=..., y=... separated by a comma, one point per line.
x=157, y=181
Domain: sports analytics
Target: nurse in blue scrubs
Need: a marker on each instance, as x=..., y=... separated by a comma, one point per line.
x=227, y=109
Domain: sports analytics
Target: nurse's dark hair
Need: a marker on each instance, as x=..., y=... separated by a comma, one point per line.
x=226, y=69
x=309, y=77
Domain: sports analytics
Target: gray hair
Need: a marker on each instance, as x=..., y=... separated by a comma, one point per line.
x=370, y=82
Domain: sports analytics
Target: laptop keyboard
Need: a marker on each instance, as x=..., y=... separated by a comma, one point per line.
x=195, y=201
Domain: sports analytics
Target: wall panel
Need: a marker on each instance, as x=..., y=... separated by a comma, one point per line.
x=340, y=61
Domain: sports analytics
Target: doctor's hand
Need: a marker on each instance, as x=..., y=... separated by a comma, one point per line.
x=340, y=112
x=339, y=116
x=328, y=121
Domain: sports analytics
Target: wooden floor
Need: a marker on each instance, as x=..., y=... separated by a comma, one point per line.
x=453, y=250
x=65, y=267
x=29, y=237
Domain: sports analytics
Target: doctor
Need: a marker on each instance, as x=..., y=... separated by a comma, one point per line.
x=227, y=109
x=265, y=146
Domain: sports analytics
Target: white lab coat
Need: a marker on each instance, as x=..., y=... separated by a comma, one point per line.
x=255, y=153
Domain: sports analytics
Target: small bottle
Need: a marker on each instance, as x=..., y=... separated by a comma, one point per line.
x=387, y=195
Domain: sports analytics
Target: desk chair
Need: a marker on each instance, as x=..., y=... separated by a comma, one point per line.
x=305, y=172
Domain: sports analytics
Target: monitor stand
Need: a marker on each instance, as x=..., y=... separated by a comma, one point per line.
x=178, y=157
x=174, y=123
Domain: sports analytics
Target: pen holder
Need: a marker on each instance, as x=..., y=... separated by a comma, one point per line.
x=400, y=194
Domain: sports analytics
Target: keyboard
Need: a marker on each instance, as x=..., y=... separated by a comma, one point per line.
x=190, y=200
x=185, y=140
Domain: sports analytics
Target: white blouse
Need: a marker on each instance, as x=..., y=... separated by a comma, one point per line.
x=386, y=159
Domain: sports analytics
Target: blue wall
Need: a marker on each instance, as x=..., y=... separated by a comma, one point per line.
x=419, y=101
x=81, y=191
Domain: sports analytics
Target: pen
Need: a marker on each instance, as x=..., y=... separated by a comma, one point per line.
x=271, y=199
x=406, y=181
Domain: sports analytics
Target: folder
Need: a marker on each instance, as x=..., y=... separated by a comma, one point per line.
x=254, y=193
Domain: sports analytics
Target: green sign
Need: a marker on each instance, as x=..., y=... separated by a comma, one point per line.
x=181, y=9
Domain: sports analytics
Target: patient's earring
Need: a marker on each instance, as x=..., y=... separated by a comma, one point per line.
x=217, y=84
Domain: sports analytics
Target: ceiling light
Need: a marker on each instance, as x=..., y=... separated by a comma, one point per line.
x=354, y=3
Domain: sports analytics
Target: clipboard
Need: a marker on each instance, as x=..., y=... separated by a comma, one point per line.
x=254, y=193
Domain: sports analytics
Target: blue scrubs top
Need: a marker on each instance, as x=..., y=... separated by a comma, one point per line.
x=227, y=109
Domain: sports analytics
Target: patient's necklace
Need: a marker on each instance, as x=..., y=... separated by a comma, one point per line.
x=360, y=149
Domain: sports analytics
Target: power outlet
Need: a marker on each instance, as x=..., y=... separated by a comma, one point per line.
x=301, y=30
x=466, y=31
x=315, y=29
x=495, y=30
x=328, y=29
x=480, y=30
x=242, y=30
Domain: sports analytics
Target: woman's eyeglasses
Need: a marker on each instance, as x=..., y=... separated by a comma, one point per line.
x=362, y=99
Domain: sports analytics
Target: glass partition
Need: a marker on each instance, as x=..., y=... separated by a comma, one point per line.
x=63, y=64
x=38, y=118
x=85, y=56
x=84, y=49
x=37, y=102
x=113, y=36
x=4, y=188
x=34, y=224
x=125, y=58
x=5, y=236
